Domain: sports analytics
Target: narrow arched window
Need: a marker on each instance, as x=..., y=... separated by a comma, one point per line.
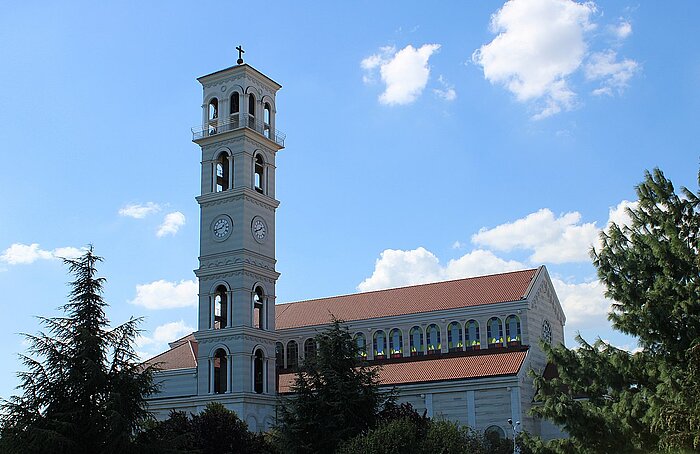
x=266, y=120
x=454, y=337
x=396, y=343
x=433, y=340
x=258, y=308
x=279, y=355
x=258, y=371
x=292, y=354
x=473, y=341
x=494, y=331
x=213, y=115
x=309, y=348
x=361, y=343
x=220, y=308
x=416, y=341
x=251, y=111
x=224, y=166
x=235, y=109
x=220, y=369
x=513, y=330
x=494, y=434
x=379, y=345
x=259, y=174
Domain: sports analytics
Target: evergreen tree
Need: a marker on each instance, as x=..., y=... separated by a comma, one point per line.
x=84, y=389
x=336, y=396
x=610, y=400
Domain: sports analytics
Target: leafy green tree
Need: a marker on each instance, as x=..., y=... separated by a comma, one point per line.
x=610, y=400
x=216, y=430
x=83, y=387
x=336, y=396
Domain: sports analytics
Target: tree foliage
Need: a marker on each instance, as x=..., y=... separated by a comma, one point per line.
x=216, y=430
x=83, y=387
x=610, y=400
x=336, y=396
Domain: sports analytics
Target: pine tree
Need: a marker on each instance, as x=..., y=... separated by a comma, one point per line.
x=83, y=387
x=610, y=400
x=336, y=396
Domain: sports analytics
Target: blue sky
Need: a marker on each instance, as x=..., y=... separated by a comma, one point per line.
x=422, y=144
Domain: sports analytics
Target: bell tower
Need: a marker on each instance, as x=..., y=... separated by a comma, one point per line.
x=236, y=323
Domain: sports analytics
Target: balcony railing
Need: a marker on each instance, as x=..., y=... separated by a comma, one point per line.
x=221, y=125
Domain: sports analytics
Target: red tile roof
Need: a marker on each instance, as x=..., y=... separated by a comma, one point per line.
x=475, y=291
x=182, y=356
x=441, y=368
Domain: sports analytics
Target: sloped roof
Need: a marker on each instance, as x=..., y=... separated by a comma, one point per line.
x=475, y=291
x=503, y=362
x=182, y=355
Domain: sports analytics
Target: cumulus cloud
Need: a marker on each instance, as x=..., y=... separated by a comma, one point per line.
x=163, y=294
x=447, y=92
x=405, y=73
x=623, y=29
x=162, y=335
x=24, y=254
x=552, y=239
x=171, y=224
x=138, y=210
x=396, y=268
x=538, y=47
x=612, y=73
x=619, y=215
x=584, y=303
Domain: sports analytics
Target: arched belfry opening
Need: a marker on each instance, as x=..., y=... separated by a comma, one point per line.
x=223, y=173
x=258, y=371
x=267, y=119
x=220, y=371
x=258, y=308
x=251, y=111
x=220, y=307
x=259, y=174
x=213, y=116
x=235, y=109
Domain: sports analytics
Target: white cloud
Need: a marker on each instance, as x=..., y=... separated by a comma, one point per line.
x=138, y=210
x=24, y=254
x=457, y=245
x=541, y=44
x=552, y=239
x=619, y=215
x=447, y=92
x=623, y=29
x=405, y=73
x=395, y=268
x=163, y=294
x=614, y=74
x=171, y=224
x=584, y=304
x=162, y=335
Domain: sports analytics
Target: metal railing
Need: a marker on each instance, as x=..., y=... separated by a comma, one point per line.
x=218, y=126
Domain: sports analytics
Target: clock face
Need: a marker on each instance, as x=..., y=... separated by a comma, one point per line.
x=221, y=227
x=259, y=229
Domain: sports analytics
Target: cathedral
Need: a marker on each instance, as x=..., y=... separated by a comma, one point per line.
x=459, y=350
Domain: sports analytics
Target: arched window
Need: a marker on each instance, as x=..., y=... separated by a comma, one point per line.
x=396, y=343
x=494, y=433
x=258, y=308
x=494, y=331
x=213, y=115
x=454, y=337
x=235, y=109
x=292, y=354
x=513, y=330
x=220, y=369
x=379, y=345
x=279, y=355
x=433, y=340
x=361, y=342
x=258, y=371
x=220, y=308
x=259, y=174
x=416, y=341
x=309, y=348
x=473, y=341
x=266, y=120
x=251, y=111
x=224, y=168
